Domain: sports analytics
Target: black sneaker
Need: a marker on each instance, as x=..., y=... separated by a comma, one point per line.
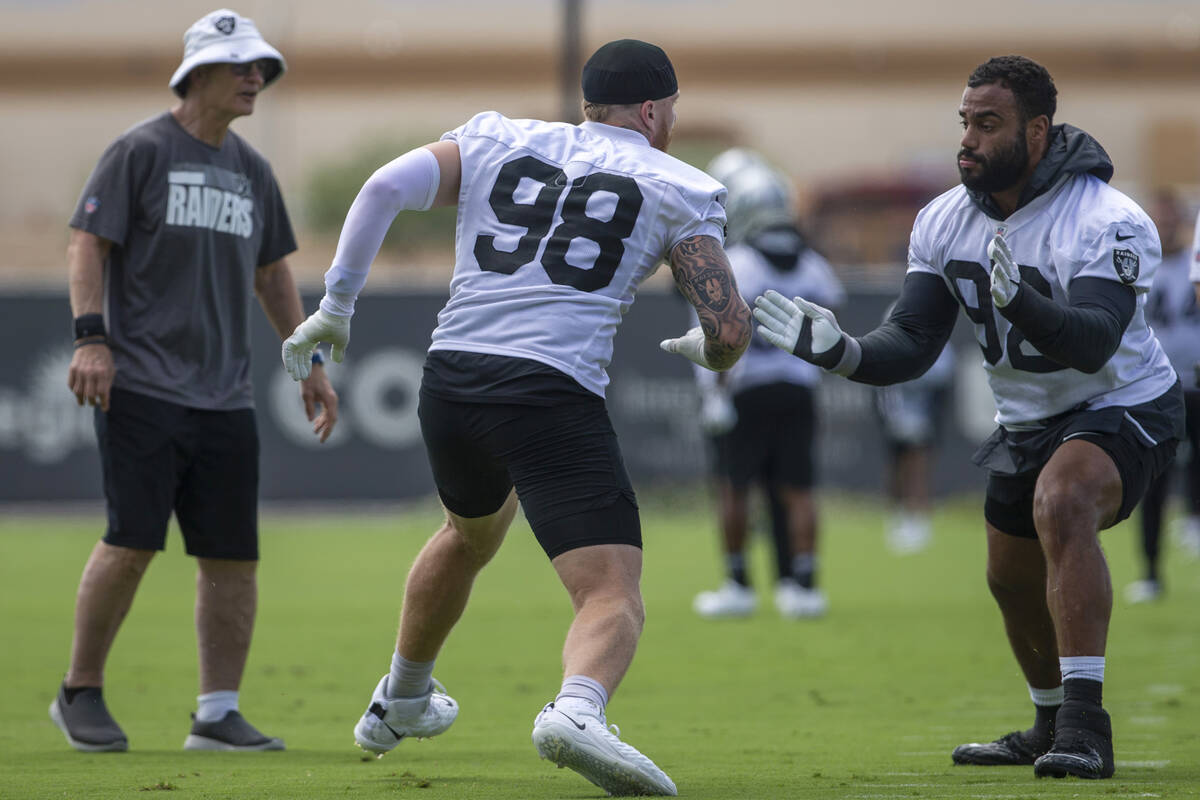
x=1085, y=752
x=232, y=732
x=1014, y=748
x=85, y=721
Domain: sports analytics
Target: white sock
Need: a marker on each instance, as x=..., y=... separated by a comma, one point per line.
x=585, y=688
x=408, y=678
x=1087, y=667
x=1047, y=697
x=213, y=707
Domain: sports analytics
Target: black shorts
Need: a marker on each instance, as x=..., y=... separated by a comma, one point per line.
x=772, y=442
x=563, y=459
x=158, y=457
x=1139, y=439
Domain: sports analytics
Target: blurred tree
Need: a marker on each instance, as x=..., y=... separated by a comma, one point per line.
x=332, y=187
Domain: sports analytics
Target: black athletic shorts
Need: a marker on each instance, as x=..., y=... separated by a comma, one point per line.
x=773, y=439
x=1139, y=439
x=563, y=459
x=158, y=457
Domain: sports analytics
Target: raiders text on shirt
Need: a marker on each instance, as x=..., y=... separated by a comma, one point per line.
x=190, y=203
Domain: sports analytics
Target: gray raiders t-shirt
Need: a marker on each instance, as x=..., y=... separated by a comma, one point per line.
x=189, y=224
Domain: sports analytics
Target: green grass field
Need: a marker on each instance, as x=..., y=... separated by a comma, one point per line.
x=866, y=703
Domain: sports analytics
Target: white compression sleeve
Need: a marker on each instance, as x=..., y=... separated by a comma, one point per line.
x=409, y=183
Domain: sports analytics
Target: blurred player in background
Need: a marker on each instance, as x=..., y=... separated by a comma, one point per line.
x=911, y=415
x=1172, y=312
x=1052, y=265
x=180, y=224
x=557, y=226
x=761, y=414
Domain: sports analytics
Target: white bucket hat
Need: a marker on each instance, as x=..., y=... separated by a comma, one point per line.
x=224, y=37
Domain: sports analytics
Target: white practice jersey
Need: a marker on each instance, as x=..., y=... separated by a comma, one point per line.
x=1081, y=227
x=763, y=363
x=1196, y=253
x=1173, y=314
x=558, y=225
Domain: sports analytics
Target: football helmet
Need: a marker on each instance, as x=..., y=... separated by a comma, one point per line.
x=759, y=195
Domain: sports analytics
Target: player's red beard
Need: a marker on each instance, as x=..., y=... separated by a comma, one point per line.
x=660, y=138
x=1000, y=170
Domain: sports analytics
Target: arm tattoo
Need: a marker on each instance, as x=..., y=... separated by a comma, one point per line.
x=704, y=277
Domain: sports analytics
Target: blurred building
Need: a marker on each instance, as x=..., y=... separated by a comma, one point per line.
x=856, y=99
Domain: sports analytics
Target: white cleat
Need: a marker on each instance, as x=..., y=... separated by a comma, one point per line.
x=908, y=534
x=1143, y=591
x=731, y=600
x=796, y=602
x=573, y=734
x=1187, y=536
x=387, y=720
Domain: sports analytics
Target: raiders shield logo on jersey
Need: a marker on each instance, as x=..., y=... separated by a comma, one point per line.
x=226, y=24
x=1127, y=265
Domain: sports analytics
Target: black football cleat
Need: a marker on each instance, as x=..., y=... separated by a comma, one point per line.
x=1016, y=748
x=1082, y=752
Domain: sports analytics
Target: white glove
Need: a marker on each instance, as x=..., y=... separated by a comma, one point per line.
x=1006, y=277
x=717, y=413
x=801, y=328
x=320, y=327
x=690, y=346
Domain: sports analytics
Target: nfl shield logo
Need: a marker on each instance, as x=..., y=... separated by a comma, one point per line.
x=226, y=24
x=1127, y=265
x=91, y=204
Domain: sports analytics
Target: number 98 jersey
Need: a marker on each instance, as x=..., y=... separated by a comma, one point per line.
x=1081, y=227
x=558, y=225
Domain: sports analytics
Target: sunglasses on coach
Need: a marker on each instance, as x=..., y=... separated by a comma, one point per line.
x=265, y=67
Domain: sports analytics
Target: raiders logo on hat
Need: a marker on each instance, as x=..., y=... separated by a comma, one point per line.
x=226, y=24
x=1126, y=264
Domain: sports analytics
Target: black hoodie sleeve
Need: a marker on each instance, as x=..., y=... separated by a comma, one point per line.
x=1083, y=335
x=909, y=340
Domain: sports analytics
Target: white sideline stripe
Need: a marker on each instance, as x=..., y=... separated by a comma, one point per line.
x=1143, y=764
x=1147, y=720
x=185, y=177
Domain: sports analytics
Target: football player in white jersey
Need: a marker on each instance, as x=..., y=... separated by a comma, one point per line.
x=1052, y=266
x=557, y=226
x=1174, y=314
x=764, y=427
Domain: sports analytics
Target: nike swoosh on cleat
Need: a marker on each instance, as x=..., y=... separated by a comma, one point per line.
x=582, y=727
x=395, y=733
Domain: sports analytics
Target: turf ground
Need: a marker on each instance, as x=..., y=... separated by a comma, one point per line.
x=866, y=703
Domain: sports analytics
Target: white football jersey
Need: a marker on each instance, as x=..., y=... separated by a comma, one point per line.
x=812, y=279
x=558, y=225
x=1173, y=314
x=1196, y=253
x=1081, y=227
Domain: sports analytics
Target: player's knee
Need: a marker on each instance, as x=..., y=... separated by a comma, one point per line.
x=474, y=545
x=127, y=561
x=615, y=600
x=1064, y=510
x=632, y=610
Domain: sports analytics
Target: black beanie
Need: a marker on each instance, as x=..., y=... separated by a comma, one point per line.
x=628, y=71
